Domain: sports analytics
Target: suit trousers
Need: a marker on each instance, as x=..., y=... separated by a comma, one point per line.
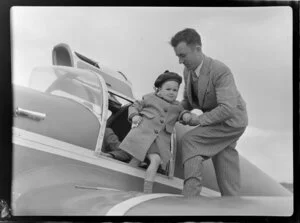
x=217, y=142
x=227, y=168
x=111, y=145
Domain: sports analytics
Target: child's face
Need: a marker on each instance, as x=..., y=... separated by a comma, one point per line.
x=169, y=90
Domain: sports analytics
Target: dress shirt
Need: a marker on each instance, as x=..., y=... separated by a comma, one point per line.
x=197, y=71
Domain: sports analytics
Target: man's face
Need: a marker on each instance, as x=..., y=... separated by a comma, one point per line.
x=189, y=56
x=169, y=90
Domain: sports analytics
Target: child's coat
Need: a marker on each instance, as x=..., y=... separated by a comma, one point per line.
x=158, y=121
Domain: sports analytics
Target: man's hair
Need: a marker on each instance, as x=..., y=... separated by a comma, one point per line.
x=188, y=35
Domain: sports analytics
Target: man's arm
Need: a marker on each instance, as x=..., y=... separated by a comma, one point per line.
x=226, y=93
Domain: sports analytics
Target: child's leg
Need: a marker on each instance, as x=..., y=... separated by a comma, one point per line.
x=151, y=172
x=134, y=162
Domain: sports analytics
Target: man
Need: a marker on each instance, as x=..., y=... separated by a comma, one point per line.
x=210, y=87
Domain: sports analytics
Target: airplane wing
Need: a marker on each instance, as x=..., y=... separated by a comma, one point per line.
x=207, y=206
x=71, y=199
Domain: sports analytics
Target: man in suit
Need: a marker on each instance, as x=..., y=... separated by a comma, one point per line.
x=210, y=87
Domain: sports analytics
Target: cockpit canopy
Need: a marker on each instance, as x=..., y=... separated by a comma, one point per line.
x=116, y=81
x=79, y=85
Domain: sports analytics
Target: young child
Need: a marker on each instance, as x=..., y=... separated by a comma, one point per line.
x=153, y=120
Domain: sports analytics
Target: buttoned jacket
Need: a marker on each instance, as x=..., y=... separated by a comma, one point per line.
x=158, y=121
x=218, y=96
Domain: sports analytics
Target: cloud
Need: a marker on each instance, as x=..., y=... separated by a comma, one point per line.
x=251, y=132
x=269, y=150
x=254, y=132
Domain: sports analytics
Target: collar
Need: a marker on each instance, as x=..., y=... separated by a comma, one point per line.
x=197, y=71
x=174, y=102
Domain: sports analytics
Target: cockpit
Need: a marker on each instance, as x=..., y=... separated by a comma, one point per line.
x=85, y=88
x=82, y=87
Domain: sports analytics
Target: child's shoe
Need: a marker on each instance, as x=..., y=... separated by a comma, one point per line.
x=134, y=162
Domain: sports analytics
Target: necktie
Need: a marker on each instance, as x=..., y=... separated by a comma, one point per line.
x=194, y=86
x=194, y=75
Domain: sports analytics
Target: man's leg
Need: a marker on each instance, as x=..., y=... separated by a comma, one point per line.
x=227, y=168
x=111, y=146
x=204, y=142
x=134, y=162
x=121, y=155
x=193, y=168
x=192, y=164
x=110, y=141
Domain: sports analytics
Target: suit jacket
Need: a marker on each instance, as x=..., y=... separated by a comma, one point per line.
x=218, y=96
x=158, y=121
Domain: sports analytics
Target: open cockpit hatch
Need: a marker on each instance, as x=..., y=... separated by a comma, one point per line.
x=116, y=81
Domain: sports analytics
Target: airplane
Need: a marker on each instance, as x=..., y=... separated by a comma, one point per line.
x=59, y=168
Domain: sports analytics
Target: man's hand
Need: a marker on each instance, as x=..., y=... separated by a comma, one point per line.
x=186, y=118
x=194, y=120
x=136, y=120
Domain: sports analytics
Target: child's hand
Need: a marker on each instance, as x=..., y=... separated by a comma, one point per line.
x=136, y=120
x=186, y=118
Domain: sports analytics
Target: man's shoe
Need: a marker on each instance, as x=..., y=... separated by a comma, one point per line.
x=107, y=155
x=134, y=162
x=192, y=188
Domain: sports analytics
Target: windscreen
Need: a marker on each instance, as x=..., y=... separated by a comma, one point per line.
x=78, y=85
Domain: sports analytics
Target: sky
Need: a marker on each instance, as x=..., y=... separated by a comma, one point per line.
x=254, y=42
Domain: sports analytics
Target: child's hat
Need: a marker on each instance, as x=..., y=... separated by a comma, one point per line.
x=166, y=76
